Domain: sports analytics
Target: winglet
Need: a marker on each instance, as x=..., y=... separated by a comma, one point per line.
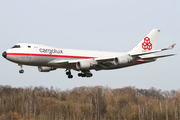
x=172, y=46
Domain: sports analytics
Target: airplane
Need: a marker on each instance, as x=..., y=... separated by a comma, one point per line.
x=48, y=58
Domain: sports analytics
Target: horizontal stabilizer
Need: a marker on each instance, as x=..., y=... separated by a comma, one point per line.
x=157, y=56
x=153, y=51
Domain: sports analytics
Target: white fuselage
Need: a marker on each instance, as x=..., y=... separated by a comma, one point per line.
x=40, y=55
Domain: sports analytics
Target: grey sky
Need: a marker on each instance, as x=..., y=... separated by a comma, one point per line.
x=105, y=25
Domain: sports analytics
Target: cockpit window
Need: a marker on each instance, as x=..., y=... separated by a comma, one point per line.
x=16, y=46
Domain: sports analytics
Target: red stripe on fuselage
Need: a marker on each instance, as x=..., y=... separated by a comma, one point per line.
x=47, y=55
x=138, y=61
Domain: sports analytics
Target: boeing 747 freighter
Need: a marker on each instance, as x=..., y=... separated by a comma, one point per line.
x=49, y=58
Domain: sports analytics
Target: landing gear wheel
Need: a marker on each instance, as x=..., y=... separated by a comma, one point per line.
x=68, y=73
x=21, y=71
x=89, y=75
x=80, y=74
x=83, y=75
x=70, y=76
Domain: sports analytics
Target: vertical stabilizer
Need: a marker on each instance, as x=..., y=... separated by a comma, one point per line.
x=147, y=43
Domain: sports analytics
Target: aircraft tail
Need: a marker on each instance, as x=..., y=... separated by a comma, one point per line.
x=148, y=43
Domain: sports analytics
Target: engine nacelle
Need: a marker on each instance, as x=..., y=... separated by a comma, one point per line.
x=121, y=60
x=45, y=69
x=82, y=65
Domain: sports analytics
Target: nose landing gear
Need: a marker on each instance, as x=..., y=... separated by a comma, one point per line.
x=21, y=70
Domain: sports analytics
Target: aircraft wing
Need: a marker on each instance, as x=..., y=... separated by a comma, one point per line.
x=93, y=60
x=153, y=51
x=58, y=61
x=103, y=61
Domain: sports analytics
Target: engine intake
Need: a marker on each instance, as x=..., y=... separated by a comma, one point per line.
x=83, y=65
x=45, y=69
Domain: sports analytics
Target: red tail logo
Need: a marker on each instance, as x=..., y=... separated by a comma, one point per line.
x=146, y=44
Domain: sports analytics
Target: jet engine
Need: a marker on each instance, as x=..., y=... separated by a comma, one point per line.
x=83, y=65
x=122, y=60
x=45, y=69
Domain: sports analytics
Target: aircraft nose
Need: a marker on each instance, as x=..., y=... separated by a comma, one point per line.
x=4, y=54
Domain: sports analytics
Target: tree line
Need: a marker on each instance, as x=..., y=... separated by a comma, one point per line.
x=88, y=103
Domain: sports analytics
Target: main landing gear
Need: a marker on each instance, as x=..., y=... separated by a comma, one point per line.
x=82, y=74
x=21, y=70
x=85, y=74
x=68, y=73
